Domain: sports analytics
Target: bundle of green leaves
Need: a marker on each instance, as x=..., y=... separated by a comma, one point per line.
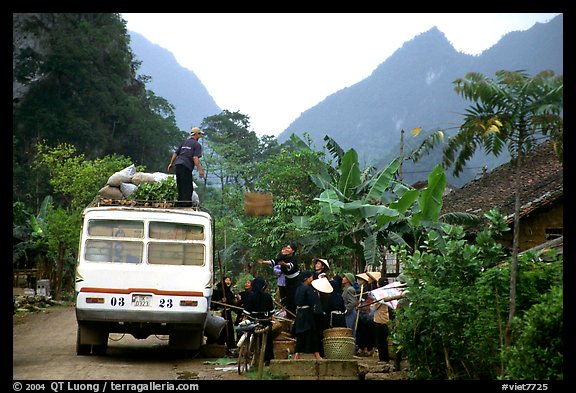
x=163, y=190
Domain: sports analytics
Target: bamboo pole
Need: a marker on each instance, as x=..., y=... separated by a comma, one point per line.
x=384, y=299
x=226, y=305
x=357, y=313
x=284, y=308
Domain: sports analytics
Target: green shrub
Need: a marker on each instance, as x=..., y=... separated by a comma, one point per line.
x=538, y=349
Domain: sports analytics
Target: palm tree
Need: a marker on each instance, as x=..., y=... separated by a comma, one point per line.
x=514, y=111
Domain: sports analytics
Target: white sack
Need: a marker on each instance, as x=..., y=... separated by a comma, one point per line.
x=123, y=176
x=142, y=177
x=128, y=188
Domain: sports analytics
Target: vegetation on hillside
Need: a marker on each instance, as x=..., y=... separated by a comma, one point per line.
x=85, y=117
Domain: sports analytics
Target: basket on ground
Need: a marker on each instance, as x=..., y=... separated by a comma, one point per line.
x=338, y=332
x=283, y=348
x=338, y=347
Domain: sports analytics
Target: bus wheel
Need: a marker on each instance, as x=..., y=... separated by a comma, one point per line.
x=81, y=349
x=99, y=349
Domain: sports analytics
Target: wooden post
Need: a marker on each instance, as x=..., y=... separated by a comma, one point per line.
x=401, y=153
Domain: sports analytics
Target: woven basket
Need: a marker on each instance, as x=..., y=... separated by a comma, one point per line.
x=258, y=204
x=276, y=329
x=283, y=348
x=338, y=347
x=338, y=332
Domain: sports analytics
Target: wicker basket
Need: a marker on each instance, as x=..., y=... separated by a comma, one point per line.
x=338, y=332
x=276, y=329
x=338, y=347
x=283, y=348
x=258, y=204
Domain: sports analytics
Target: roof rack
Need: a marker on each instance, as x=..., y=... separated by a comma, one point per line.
x=100, y=201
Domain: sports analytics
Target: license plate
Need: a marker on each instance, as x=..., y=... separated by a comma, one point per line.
x=141, y=300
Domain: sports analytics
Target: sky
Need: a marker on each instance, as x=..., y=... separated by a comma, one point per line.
x=274, y=66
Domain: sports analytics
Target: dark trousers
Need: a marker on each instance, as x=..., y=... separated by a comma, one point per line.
x=381, y=333
x=184, y=183
x=291, y=284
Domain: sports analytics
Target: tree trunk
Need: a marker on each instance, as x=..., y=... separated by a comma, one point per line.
x=515, y=246
x=59, y=271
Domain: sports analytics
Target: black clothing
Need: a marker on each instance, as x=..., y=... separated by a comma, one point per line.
x=242, y=296
x=336, y=308
x=185, y=185
x=381, y=335
x=186, y=152
x=227, y=335
x=305, y=328
x=259, y=304
x=321, y=316
x=184, y=167
x=365, y=337
x=291, y=272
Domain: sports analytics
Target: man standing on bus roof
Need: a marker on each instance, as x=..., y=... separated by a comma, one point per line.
x=186, y=157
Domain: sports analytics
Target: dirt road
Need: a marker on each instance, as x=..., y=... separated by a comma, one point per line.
x=44, y=348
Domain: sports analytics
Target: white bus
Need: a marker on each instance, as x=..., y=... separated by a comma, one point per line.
x=143, y=271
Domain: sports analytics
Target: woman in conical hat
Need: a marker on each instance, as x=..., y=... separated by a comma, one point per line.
x=321, y=267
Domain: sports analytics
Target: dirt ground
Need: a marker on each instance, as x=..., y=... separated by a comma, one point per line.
x=44, y=348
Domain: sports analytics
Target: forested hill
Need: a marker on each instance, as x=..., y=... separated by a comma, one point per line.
x=413, y=88
x=75, y=81
x=180, y=86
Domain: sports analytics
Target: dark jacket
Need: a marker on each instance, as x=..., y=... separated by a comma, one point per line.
x=305, y=299
x=259, y=303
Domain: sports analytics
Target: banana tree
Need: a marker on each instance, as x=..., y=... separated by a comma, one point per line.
x=371, y=204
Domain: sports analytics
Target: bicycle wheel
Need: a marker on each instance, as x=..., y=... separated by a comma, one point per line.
x=243, y=356
x=251, y=358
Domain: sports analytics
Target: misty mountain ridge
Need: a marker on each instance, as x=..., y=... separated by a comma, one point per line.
x=178, y=85
x=411, y=88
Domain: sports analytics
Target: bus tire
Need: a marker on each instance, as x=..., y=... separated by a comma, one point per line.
x=99, y=350
x=81, y=349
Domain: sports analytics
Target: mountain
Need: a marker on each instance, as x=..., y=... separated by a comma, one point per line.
x=413, y=88
x=178, y=85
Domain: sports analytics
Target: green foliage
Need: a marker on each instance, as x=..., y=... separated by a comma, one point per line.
x=513, y=110
x=454, y=325
x=83, y=91
x=232, y=148
x=75, y=179
x=30, y=231
x=538, y=352
x=163, y=190
x=371, y=209
x=62, y=239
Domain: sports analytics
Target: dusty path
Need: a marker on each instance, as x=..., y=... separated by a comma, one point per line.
x=44, y=348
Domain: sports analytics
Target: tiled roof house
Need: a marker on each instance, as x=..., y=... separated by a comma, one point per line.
x=542, y=197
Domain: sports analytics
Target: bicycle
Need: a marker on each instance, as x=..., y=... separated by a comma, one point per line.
x=252, y=344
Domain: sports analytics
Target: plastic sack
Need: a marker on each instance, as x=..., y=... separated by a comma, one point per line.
x=123, y=176
x=110, y=192
x=128, y=189
x=142, y=177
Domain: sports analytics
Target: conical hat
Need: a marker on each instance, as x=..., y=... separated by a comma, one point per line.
x=322, y=285
x=374, y=275
x=324, y=261
x=365, y=277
